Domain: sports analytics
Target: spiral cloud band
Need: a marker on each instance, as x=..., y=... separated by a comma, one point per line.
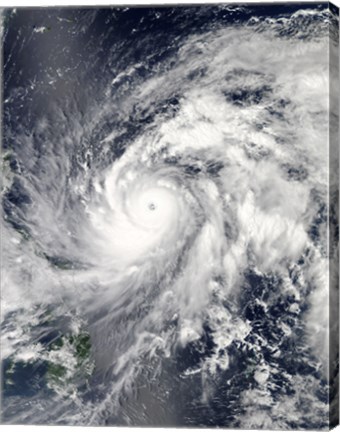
x=166, y=210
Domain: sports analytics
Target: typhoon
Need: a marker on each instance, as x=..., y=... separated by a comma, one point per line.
x=169, y=213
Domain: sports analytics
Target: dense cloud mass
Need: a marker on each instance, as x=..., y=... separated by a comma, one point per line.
x=166, y=201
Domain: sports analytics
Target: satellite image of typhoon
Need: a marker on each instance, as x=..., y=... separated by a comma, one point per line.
x=169, y=216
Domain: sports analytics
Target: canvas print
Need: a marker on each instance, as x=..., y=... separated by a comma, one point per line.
x=169, y=248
